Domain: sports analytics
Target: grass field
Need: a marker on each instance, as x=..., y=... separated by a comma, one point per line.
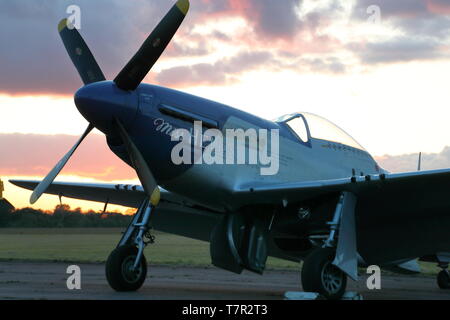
x=95, y=244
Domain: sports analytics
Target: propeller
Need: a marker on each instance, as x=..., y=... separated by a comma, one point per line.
x=128, y=79
x=152, y=48
x=44, y=184
x=79, y=53
x=89, y=72
x=140, y=165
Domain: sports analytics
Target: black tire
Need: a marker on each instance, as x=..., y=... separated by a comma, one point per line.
x=118, y=272
x=319, y=275
x=443, y=279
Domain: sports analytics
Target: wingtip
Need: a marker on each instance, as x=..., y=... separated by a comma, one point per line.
x=14, y=182
x=183, y=5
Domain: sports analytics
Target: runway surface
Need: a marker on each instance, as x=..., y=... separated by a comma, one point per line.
x=24, y=280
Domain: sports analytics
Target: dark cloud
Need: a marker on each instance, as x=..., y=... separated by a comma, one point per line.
x=430, y=25
x=439, y=5
x=227, y=70
x=270, y=19
x=424, y=24
x=426, y=18
x=400, y=49
x=197, y=74
x=408, y=162
x=33, y=58
x=220, y=36
x=331, y=64
x=182, y=50
x=273, y=19
x=217, y=73
x=390, y=8
x=402, y=8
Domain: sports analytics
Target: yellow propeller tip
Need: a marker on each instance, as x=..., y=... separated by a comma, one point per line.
x=183, y=5
x=155, y=196
x=62, y=24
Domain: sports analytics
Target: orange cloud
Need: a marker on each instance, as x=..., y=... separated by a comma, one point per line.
x=35, y=155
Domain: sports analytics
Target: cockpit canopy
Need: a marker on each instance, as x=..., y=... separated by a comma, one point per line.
x=319, y=128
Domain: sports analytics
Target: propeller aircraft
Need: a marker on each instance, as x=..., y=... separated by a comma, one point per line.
x=328, y=203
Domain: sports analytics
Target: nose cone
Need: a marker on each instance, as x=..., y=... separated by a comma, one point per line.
x=100, y=102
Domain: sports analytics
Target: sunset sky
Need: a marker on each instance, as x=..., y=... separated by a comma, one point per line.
x=385, y=81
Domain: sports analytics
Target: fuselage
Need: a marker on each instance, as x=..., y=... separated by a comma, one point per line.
x=151, y=114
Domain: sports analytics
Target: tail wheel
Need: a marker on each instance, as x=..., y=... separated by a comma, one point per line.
x=119, y=269
x=443, y=279
x=320, y=275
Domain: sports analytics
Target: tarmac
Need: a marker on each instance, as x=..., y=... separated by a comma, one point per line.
x=35, y=280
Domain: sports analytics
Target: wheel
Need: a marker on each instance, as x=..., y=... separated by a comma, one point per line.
x=319, y=275
x=443, y=279
x=119, y=271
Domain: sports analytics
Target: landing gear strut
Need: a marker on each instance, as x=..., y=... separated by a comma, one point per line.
x=126, y=267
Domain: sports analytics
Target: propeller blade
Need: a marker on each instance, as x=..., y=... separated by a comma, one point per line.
x=152, y=48
x=143, y=171
x=44, y=184
x=80, y=54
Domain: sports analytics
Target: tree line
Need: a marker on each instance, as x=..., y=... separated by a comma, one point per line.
x=61, y=217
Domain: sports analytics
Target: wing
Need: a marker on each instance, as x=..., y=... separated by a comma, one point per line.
x=121, y=194
x=297, y=191
x=125, y=195
x=398, y=216
x=175, y=215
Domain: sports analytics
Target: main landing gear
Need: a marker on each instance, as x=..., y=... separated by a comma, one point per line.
x=319, y=274
x=126, y=267
x=443, y=260
x=443, y=277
